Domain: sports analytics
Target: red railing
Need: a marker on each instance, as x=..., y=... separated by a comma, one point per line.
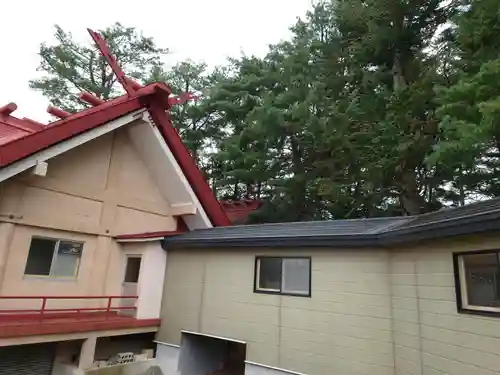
x=44, y=309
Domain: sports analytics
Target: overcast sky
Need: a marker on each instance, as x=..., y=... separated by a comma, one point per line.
x=209, y=30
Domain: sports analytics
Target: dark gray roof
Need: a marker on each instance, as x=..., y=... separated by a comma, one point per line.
x=450, y=214
x=473, y=218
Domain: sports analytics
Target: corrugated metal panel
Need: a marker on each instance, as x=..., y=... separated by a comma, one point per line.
x=34, y=359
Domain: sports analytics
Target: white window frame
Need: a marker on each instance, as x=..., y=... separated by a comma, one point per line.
x=54, y=257
x=280, y=291
x=463, y=288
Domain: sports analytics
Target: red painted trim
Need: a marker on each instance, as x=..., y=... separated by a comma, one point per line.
x=74, y=310
x=181, y=225
x=134, y=84
x=29, y=322
x=44, y=299
x=8, y=109
x=28, y=126
x=58, y=324
x=106, y=53
x=36, y=124
x=193, y=174
x=67, y=297
x=91, y=99
x=148, y=235
x=57, y=112
x=60, y=131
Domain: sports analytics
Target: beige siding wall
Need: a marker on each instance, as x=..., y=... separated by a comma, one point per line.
x=430, y=337
x=344, y=328
x=90, y=194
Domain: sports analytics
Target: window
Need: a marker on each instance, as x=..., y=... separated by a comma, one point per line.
x=132, y=269
x=53, y=258
x=283, y=275
x=478, y=279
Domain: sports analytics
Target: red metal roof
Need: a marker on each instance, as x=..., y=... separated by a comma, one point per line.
x=20, y=138
x=23, y=137
x=238, y=211
x=12, y=128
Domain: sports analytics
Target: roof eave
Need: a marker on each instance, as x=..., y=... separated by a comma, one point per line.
x=142, y=235
x=462, y=226
x=342, y=241
x=466, y=225
x=193, y=174
x=32, y=143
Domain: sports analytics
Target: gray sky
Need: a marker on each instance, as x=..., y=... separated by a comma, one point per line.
x=208, y=30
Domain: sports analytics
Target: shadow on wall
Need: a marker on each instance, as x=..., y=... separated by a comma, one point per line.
x=206, y=355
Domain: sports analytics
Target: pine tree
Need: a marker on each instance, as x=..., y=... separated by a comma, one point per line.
x=71, y=68
x=470, y=109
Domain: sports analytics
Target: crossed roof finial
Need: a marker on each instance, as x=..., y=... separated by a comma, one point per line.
x=128, y=84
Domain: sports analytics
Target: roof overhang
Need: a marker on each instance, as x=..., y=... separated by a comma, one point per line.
x=170, y=178
x=339, y=241
x=146, y=237
x=48, y=153
x=405, y=233
x=482, y=222
x=71, y=126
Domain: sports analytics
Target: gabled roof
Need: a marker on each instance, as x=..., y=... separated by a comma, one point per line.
x=22, y=143
x=21, y=138
x=376, y=232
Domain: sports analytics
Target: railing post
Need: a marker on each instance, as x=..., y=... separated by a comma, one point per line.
x=110, y=299
x=44, y=304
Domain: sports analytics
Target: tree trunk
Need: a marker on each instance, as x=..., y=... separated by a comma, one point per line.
x=299, y=184
x=410, y=199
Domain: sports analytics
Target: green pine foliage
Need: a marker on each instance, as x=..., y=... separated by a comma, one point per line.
x=371, y=108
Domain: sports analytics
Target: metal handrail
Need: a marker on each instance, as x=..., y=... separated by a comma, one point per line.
x=44, y=300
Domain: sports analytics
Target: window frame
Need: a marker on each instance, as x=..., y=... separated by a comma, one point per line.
x=54, y=257
x=127, y=258
x=256, y=275
x=461, y=285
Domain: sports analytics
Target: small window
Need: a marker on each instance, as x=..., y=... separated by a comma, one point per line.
x=132, y=269
x=283, y=275
x=53, y=258
x=479, y=281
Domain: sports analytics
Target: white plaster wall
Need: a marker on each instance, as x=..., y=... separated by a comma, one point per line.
x=151, y=277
